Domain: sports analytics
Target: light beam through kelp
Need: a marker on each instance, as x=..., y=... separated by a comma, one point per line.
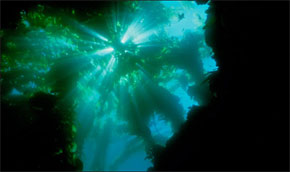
x=131, y=84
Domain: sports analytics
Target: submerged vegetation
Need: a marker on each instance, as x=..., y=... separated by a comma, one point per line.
x=112, y=83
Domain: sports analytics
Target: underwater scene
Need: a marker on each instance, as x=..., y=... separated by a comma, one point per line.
x=124, y=77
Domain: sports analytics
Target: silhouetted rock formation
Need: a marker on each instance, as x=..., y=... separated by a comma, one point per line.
x=37, y=134
x=245, y=127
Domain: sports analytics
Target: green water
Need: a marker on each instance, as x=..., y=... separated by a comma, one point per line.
x=131, y=72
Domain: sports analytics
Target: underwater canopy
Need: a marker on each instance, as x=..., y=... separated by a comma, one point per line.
x=129, y=72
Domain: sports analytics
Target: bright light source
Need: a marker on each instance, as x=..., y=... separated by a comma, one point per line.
x=132, y=31
x=105, y=51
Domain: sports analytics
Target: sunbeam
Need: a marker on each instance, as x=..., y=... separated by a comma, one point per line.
x=135, y=78
x=104, y=51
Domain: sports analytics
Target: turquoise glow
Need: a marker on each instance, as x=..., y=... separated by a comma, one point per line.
x=15, y=92
x=160, y=129
x=128, y=73
x=192, y=21
x=209, y=64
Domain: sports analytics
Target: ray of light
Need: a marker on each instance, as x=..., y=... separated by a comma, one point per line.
x=109, y=66
x=104, y=51
x=89, y=31
x=136, y=28
x=93, y=58
x=143, y=37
